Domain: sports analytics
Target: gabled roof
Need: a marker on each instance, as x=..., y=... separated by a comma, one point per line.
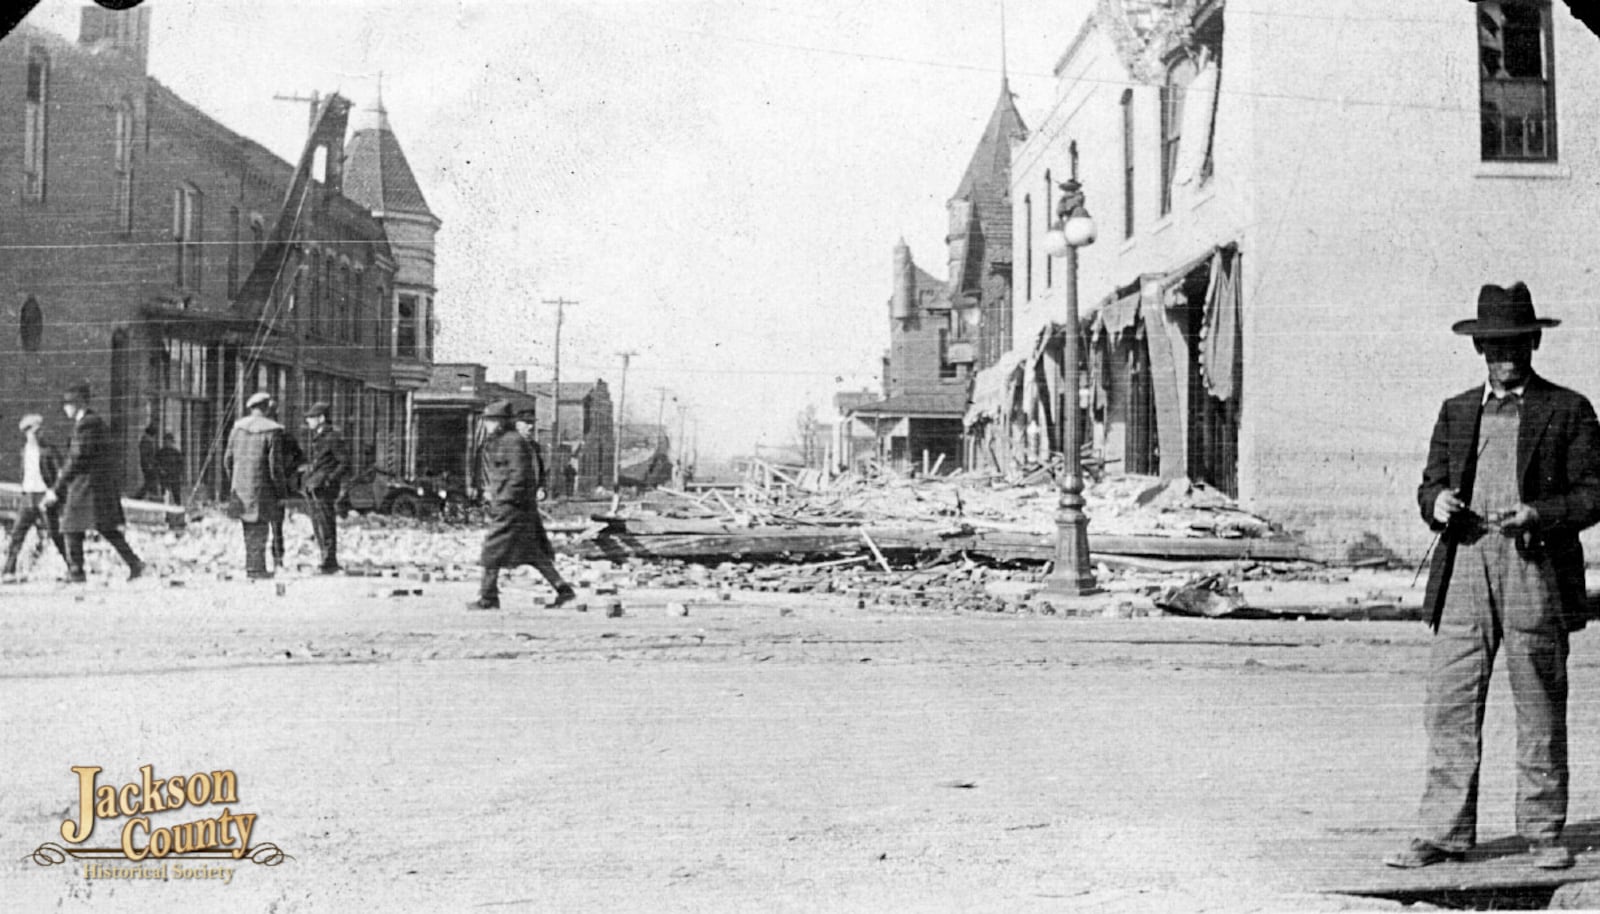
x=988, y=174
x=377, y=174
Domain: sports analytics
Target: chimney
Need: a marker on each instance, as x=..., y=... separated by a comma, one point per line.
x=125, y=31
x=519, y=380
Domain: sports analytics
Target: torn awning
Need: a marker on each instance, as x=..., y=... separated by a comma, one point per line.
x=994, y=389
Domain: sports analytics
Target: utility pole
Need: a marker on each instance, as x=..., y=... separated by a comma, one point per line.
x=555, y=421
x=683, y=451
x=314, y=99
x=297, y=379
x=622, y=403
x=661, y=416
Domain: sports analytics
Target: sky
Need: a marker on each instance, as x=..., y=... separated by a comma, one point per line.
x=719, y=185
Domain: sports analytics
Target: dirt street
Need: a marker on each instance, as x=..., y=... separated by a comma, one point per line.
x=774, y=753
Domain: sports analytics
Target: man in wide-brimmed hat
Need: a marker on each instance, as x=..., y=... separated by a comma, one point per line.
x=1513, y=475
x=516, y=535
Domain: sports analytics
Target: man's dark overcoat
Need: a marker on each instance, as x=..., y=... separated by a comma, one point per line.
x=87, y=484
x=516, y=533
x=1558, y=475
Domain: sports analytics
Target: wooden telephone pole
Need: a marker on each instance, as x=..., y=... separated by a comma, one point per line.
x=555, y=421
x=616, y=436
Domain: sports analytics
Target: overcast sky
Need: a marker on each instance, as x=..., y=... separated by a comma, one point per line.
x=719, y=184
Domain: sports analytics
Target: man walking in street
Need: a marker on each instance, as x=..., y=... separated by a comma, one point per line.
x=1513, y=475
x=516, y=534
x=40, y=467
x=327, y=466
x=293, y=465
x=254, y=463
x=88, y=484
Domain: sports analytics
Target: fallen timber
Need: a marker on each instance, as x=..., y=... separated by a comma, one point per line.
x=691, y=539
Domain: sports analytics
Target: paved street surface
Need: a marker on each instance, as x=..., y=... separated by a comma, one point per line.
x=773, y=753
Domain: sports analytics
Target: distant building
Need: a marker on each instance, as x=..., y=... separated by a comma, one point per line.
x=942, y=331
x=150, y=252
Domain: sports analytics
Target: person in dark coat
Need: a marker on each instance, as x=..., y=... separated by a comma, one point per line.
x=88, y=487
x=41, y=464
x=1513, y=475
x=516, y=535
x=149, y=468
x=169, y=467
x=254, y=462
x=327, y=465
x=293, y=464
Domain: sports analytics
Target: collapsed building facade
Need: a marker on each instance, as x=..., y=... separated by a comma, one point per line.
x=177, y=266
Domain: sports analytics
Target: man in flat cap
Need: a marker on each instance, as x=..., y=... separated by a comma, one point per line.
x=328, y=463
x=1513, y=475
x=516, y=534
x=88, y=486
x=257, y=467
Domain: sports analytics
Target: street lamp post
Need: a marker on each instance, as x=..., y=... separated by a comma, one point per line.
x=1071, y=576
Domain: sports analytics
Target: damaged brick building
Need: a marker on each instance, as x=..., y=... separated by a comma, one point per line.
x=178, y=266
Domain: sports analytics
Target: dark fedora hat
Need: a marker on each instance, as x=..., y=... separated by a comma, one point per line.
x=319, y=408
x=1504, y=312
x=499, y=409
x=527, y=414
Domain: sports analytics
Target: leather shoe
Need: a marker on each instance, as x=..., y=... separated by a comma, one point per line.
x=564, y=595
x=481, y=603
x=1550, y=855
x=136, y=571
x=1420, y=853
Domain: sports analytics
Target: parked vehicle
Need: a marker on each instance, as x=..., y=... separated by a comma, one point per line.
x=378, y=490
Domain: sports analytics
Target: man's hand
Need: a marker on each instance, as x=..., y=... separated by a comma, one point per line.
x=1516, y=520
x=1446, y=506
x=50, y=498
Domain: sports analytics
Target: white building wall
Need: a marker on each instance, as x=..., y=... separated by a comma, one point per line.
x=1347, y=168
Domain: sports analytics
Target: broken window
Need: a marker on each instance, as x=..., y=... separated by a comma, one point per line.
x=34, y=118
x=1515, y=81
x=31, y=330
x=1179, y=75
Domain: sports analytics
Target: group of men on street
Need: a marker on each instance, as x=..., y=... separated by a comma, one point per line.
x=266, y=466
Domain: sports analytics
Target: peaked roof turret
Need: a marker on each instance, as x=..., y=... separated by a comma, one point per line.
x=991, y=161
x=377, y=174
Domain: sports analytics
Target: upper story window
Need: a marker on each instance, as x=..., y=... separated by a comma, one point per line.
x=233, y=251
x=1027, y=247
x=1179, y=75
x=1127, y=163
x=35, y=118
x=406, y=314
x=258, y=237
x=346, y=303
x=187, y=207
x=124, y=165
x=31, y=329
x=1516, y=85
x=1049, y=216
x=358, y=298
